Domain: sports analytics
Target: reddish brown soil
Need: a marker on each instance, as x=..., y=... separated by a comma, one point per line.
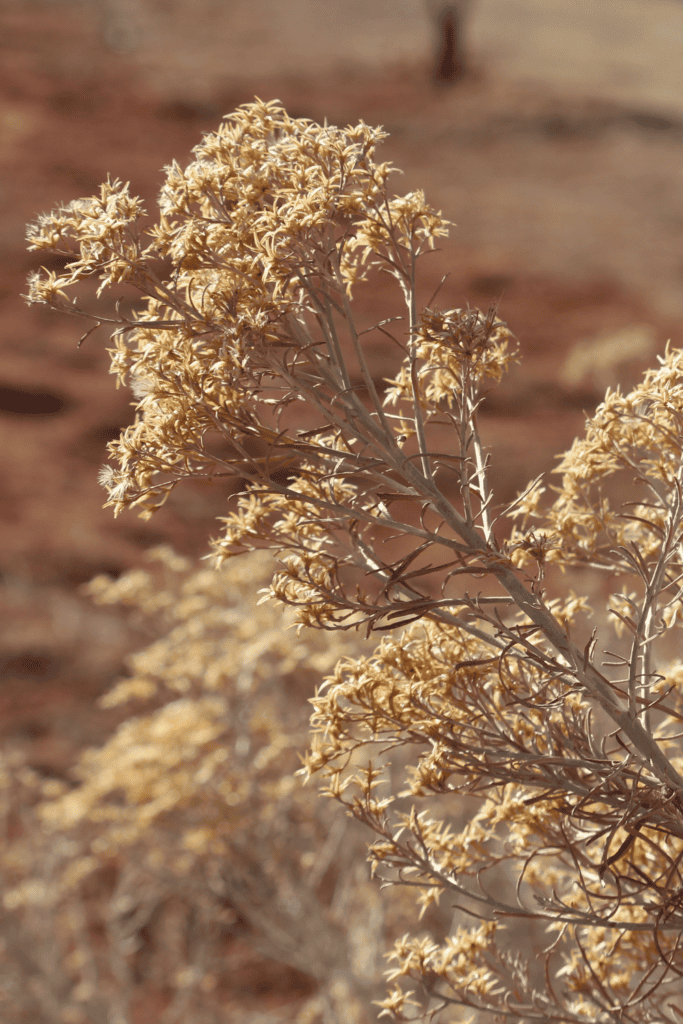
x=552, y=192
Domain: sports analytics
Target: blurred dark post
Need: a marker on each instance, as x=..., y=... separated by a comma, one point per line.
x=451, y=62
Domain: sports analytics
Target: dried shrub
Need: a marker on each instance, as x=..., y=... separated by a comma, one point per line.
x=188, y=831
x=247, y=362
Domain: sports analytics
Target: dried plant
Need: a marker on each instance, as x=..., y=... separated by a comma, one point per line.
x=247, y=362
x=187, y=832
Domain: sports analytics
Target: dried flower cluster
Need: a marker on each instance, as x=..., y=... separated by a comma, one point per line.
x=248, y=362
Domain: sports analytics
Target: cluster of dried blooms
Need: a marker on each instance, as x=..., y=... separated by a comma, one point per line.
x=248, y=362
